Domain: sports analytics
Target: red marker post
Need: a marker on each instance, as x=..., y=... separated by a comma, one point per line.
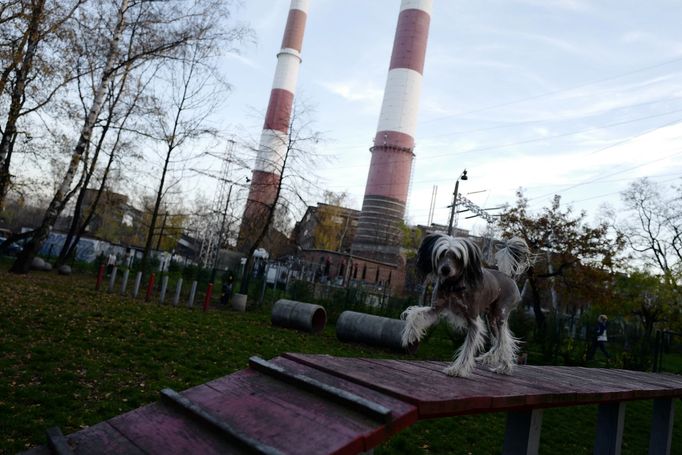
x=150, y=288
x=207, y=299
x=100, y=276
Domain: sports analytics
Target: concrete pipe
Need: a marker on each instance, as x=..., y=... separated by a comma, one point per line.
x=372, y=330
x=299, y=315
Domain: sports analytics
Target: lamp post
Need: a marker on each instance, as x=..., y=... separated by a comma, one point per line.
x=453, y=207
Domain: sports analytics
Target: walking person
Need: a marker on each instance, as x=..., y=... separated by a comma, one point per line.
x=600, y=338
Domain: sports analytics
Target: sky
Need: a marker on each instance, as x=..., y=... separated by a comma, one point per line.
x=571, y=97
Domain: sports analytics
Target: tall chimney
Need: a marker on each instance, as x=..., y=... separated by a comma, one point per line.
x=273, y=141
x=383, y=208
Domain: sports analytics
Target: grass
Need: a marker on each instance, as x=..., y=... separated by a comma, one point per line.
x=72, y=357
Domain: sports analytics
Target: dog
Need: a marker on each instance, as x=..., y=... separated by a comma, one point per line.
x=464, y=292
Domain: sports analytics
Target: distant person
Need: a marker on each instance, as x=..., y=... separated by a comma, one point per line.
x=228, y=282
x=600, y=338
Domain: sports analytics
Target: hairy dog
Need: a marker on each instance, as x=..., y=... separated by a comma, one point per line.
x=464, y=293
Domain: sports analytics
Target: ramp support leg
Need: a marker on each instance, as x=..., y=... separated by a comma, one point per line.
x=522, y=436
x=610, y=419
x=662, y=426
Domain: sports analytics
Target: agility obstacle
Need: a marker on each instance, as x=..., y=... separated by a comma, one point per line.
x=319, y=404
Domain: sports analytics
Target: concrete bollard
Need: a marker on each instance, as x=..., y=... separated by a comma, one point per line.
x=178, y=289
x=124, y=282
x=372, y=330
x=192, y=293
x=164, y=287
x=136, y=288
x=112, y=279
x=298, y=315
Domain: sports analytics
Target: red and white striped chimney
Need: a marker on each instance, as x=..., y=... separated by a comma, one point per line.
x=378, y=235
x=273, y=141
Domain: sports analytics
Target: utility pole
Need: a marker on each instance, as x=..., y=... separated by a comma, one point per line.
x=453, y=207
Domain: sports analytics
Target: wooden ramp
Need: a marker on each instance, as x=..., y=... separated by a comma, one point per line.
x=318, y=404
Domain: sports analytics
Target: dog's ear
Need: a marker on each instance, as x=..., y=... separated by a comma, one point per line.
x=473, y=272
x=425, y=253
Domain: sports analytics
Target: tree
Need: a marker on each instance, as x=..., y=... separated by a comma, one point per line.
x=181, y=119
x=115, y=118
x=293, y=170
x=32, y=42
x=571, y=256
x=159, y=31
x=654, y=231
x=333, y=227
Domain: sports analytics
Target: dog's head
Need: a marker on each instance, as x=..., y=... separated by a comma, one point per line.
x=450, y=258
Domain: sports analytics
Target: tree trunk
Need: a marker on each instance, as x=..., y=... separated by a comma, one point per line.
x=23, y=262
x=9, y=132
x=540, y=319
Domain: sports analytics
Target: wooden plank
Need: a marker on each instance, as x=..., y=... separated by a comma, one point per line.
x=57, y=442
x=157, y=429
x=403, y=414
x=517, y=391
x=344, y=397
x=662, y=426
x=610, y=420
x=411, y=383
x=209, y=419
x=522, y=434
x=278, y=414
x=590, y=387
x=655, y=384
x=102, y=439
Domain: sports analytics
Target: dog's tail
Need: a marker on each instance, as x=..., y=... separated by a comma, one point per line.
x=514, y=257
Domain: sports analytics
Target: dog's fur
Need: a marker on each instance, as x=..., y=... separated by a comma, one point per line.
x=464, y=292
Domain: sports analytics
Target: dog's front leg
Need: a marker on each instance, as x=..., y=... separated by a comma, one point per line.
x=465, y=357
x=417, y=319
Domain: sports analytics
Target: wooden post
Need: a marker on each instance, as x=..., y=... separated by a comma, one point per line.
x=124, y=282
x=138, y=280
x=522, y=436
x=662, y=426
x=610, y=421
x=207, y=298
x=150, y=288
x=100, y=276
x=112, y=279
x=164, y=286
x=178, y=289
x=192, y=292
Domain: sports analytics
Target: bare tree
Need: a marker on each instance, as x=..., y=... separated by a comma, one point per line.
x=182, y=120
x=294, y=168
x=31, y=43
x=655, y=228
x=160, y=31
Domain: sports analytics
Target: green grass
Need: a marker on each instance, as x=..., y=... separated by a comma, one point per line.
x=72, y=357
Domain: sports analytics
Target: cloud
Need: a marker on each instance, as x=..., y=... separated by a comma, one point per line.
x=356, y=91
x=565, y=5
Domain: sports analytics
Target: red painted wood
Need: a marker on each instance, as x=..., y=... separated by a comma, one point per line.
x=435, y=394
x=403, y=414
x=93, y=439
x=278, y=415
x=293, y=420
x=156, y=428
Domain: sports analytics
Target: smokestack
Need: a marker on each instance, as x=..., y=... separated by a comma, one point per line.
x=273, y=141
x=383, y=208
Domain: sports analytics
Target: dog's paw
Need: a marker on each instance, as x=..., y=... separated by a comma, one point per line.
x=485, y=359
x=457, y=371
x=410, y=336
x=503, y=368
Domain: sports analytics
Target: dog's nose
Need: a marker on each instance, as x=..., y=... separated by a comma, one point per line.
x=445, y=270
